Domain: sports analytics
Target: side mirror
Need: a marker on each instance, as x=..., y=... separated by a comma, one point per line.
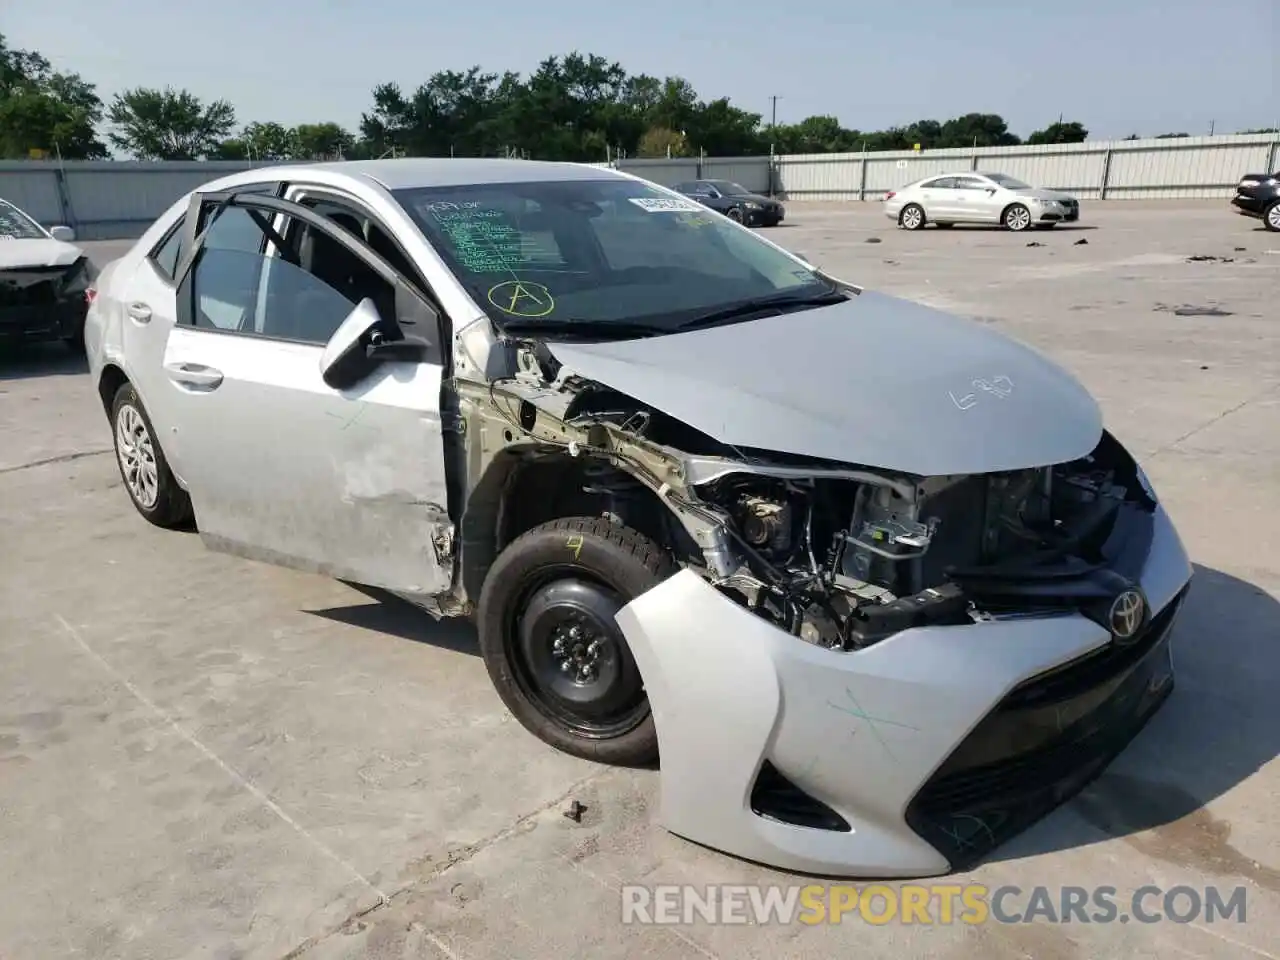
x=345, y=360
x=65, y=234
x=360, y=344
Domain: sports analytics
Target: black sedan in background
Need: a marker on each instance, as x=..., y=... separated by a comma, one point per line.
x=735, y=201
x=1258, y=196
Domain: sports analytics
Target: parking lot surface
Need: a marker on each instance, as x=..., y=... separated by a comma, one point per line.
x=201, y=756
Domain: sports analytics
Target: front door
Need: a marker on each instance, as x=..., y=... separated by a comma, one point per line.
x=280, y=466
x=977, y=200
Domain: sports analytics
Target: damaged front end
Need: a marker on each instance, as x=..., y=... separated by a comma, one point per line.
x=840, y=556
x=857, y=671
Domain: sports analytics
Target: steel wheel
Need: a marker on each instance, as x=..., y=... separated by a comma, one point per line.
x=1017, y=217
x=572, y=659
x=1272, y=218
x=912, y=216
x=137, y=455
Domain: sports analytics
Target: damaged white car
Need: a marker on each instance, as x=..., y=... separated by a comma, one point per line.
x=874, y=577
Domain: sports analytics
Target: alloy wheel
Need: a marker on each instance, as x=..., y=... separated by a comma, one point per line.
x=136, y=453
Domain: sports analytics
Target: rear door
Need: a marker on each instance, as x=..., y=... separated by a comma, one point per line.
x=938, y=198
x=280, y=466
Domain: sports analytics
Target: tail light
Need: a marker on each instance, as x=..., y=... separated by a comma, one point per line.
x=891, y=194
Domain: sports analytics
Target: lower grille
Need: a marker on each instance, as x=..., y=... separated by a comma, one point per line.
x=1045, y=740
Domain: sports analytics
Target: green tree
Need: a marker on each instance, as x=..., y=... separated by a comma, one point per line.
x=169, y=124
x=44, y=110
x=1060, y=132
x=662, y=142
x=321, y=141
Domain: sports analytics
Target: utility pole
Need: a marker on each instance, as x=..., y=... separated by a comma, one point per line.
x=773, y=113
x=1211, y=123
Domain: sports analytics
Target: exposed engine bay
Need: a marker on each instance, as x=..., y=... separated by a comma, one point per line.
x=838, y=555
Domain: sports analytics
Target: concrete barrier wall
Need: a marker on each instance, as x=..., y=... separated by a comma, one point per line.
x=116, y=199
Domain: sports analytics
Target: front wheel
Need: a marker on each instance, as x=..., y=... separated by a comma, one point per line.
x=735, y=214
x=912, y=217
x=1017, y=217
x=1271, y=218
x=551, y=644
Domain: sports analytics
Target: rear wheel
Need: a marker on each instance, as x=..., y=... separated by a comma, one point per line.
x=911, y=217
x=551, y=644
x=145, y=472
x=1017, y=217
x=1271, y=218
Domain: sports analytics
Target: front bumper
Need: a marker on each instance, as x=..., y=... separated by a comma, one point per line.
x=40, y=322
x=766, y=217
x=1249, y=205
x=883, y=743
x=1060, y=213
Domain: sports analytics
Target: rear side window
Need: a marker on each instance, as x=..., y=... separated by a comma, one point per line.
x=942, y=183
x=168, y=255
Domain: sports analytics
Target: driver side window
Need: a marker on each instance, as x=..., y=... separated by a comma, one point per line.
x=302, y=295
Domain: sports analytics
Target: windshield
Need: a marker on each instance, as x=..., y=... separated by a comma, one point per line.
x=729, y=188
x=599, y=252
x=1012, y=183
x=16, y=225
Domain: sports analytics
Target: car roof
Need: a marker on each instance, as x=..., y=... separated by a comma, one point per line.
x=411, y=172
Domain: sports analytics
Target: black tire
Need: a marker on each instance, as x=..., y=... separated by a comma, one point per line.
x=914, y=222
x=1271, y=217
x=171, y=507
x=735, y=214
x=1016, y=217
x=575, y=572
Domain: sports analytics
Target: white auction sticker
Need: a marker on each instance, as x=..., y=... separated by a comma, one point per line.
x=663, y=205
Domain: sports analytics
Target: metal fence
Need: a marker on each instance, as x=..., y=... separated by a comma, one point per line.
x=109, y=199
x=1156, y=169
x=104, y=199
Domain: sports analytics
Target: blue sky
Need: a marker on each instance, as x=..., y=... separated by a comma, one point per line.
x=1127, y=66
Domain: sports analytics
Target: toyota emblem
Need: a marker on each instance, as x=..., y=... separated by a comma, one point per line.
x=1126, y=615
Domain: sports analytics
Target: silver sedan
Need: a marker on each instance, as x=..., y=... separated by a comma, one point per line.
x=974, y=197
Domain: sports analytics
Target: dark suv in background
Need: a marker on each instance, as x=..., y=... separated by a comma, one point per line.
x=1258, y=195
x=735, y=201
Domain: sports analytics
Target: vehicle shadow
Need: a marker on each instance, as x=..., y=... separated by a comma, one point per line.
x=1220, y=726
x=390, y=614
x=998, y=228
x=27, y=361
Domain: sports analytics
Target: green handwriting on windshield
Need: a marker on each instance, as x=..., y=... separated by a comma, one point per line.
x=487, y=240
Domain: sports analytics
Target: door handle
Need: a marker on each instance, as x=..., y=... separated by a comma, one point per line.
x=139, y=311
x=193, y=375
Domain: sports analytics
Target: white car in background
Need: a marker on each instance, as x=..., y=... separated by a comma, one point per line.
x=973, y=197
x=44, y=281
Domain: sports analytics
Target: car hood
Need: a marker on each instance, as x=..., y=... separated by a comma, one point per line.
x=875, y=381
x=753, y=197
x=42, y=252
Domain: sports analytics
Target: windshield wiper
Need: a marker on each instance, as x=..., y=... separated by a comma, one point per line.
x=746, y=308
x=577, y=327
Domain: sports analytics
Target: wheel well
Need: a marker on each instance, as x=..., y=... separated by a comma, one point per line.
x=112, y=379
x=1005, y=212
x=519, y=493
